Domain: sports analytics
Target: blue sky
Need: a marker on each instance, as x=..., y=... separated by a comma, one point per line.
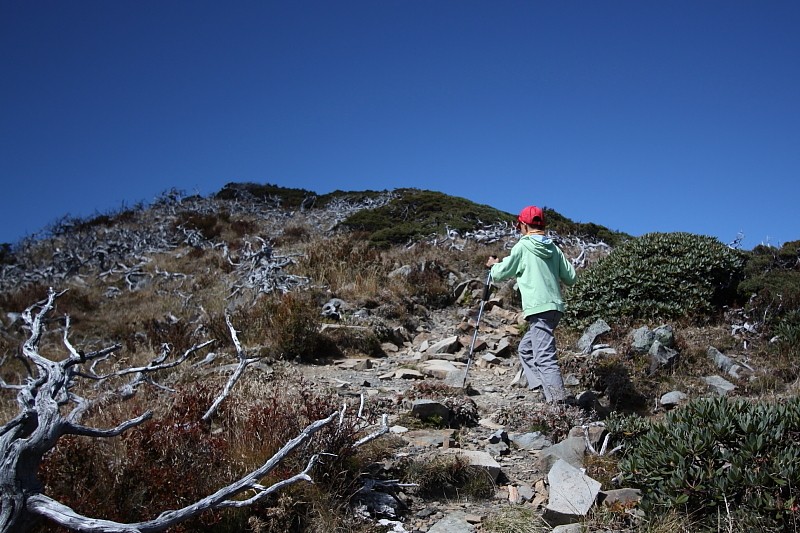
x=639, y=116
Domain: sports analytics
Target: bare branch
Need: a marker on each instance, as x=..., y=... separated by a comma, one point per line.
x=75, y=429
x=243, y=363
x=372, y=436
x=152, y=366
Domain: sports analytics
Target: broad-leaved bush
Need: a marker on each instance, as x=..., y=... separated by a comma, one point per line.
x=657, y=276
x=716, y=454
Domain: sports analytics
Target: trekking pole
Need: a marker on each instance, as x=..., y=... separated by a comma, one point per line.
x=484, y=299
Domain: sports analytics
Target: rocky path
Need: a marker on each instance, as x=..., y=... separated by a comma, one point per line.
x=435, y=355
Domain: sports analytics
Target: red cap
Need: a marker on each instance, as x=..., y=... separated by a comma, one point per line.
x=532, y=216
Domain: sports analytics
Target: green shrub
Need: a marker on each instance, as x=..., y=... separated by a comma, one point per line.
x=289, y=197
x=771, y=284
x=657, y=276
x=6, y=254
x=788, y=333
x=715, y=454
x=418, y=213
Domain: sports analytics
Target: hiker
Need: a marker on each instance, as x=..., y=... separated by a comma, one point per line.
x=538, y=265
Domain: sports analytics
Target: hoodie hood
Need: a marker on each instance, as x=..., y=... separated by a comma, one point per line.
x=539, y=245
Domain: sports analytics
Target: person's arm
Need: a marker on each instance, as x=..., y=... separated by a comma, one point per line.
x=507, y=268
x=566, y=271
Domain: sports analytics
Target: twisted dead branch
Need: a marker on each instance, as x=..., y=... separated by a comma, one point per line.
x=50, y=407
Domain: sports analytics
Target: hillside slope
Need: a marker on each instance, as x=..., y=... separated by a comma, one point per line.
x=401, y=271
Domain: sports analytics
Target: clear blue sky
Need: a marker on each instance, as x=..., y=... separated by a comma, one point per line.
x=640, y=116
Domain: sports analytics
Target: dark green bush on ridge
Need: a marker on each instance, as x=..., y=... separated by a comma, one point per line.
x=290, y=197
x=418, y=213
x=657, y=276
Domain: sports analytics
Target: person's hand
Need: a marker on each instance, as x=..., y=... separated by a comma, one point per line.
x=492, y=261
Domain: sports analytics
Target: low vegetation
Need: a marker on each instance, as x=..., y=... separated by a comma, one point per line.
x=167, y=282
x=659, y=276
x=718, y=456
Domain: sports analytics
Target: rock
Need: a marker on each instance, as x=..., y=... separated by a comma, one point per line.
x=389, y=347
x=441, y=369
x=403, y=373
x=587, y=400
x=456, y=379
x=460, y=291
x=487, y=360
x=479, y=459
x=426, y=409
x=725, y=363
x=503, y=349
x=497, y=449
x=426, y=512
x=480, y=344
x=672, y=399
x=572, y=494
x=665, y=335
x=455, y=522
x=420, y=338
x=570, y=528
x=661, y=357
x=398, y=430
x=498, y=436
x=363, y=364
x=570, y=450
x=519, y=379
x=526, y=492
x=595, y=434
x=434, y=438
x=590, y=335
x=490, y=424
x=403, y=271
x=449, y=345
x=503, y=315
x=369, y=502
x=473, y=518
x=719, y=385
x=397, y=527
x=333, y=308
x=642, y=339
x=600, y=352
x=531, y=441
x=627, y=497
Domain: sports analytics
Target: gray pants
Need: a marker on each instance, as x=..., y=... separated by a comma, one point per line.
x=537, y=353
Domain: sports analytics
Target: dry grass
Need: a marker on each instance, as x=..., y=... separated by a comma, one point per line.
x=450, y=477
x=515, y=519
x=173, y=459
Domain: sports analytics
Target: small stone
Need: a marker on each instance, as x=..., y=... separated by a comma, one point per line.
x=671, y=399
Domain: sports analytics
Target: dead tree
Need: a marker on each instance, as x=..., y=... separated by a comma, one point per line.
x=51, y=407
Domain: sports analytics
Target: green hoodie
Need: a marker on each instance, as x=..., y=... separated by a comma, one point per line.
x=538, y=265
